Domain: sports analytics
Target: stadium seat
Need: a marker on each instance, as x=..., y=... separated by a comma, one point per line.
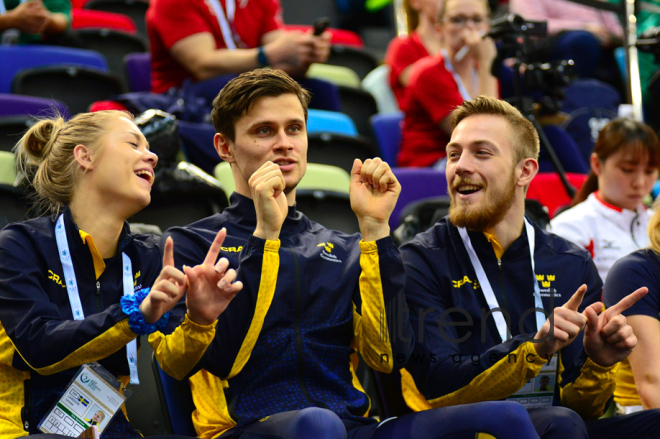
x=549, y=191
x=13, y=206
x=197, y=144
x=338, y=150
x=337, y=36
x=11, y=130
x=590, y=104
x=377, y=83
x=330, y=122
x=146, y=416
x=387, y=129
x=179, y=201
x=358, y=60
x=416, y=184
x=77, y=87
x=16, y=105
x=84, y=19
x=176, y=402
x=318, y=176
x=359, y=105
x=325, y=94
x=15, y=58
x=114, y=46
x=136, y=9
x=567, y=151
x=322, y=195
x=137, y=68
x=7, y=168
x=17, y=113
x=338, y=75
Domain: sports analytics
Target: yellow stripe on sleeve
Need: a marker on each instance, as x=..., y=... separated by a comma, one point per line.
x=591, y=390
x=500, y=381
x=179, y=352
x=269, y=270
x=96, y=349
x=372, y=332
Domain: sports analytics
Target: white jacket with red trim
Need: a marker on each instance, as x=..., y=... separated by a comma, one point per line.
x=607, y=231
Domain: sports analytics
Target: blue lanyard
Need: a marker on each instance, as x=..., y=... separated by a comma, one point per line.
x=487, y=290
x=74, y=295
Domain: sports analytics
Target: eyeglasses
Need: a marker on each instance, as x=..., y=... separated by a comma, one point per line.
x=461, y=20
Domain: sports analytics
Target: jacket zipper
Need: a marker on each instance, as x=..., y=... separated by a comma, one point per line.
x=98, y=296
x=25, y=411
x=632, y=228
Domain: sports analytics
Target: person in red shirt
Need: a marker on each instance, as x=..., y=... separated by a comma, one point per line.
x=200, y=39
x=440, y=83
x=422, y=40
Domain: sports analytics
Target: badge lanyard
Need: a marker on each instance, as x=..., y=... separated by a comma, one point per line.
x=226, y=22
x=74, y=295
x=487, y=290
x=459, y=82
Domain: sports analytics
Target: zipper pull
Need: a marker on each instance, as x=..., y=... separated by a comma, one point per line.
x=499, y=265
x=98, y=288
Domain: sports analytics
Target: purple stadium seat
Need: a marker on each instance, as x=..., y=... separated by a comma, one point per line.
x=138, y=71
x=16, y=58
x=416, y=184
x=18, y=105
x=387, y=129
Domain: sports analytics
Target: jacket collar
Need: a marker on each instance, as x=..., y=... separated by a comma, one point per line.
x=75, y=241
x=615, y=212
x=241, y=211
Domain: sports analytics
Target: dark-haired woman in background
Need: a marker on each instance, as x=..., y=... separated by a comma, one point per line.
x=608, y=217
x=74, y=284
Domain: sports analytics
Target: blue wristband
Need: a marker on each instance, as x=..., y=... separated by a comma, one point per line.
x=131, y=307
x=262, y=59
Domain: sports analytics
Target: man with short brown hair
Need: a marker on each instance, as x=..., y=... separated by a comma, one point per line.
x=283, y=362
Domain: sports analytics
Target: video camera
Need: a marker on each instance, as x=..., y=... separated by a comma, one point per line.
x=539, y=82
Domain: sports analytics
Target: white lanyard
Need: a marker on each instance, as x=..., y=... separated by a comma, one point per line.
x=224, y=20
x=74, y=295
x=459, y=82
x=487, y=290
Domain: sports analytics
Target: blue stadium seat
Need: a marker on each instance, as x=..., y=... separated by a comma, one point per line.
x=176, y=402
x=567, y=151
x=197, y=144
x=15, y=58
x=330, y=122
x=387, y=129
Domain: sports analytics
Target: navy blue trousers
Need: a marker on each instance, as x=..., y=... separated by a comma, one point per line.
x=504, y=420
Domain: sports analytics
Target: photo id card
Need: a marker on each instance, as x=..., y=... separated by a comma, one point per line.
x=91, y=399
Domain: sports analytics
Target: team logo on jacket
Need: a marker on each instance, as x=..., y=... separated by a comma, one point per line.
x=547, y=290
x=326, y=253
x=466, y=280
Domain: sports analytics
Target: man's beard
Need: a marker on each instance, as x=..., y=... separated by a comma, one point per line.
x=485, y=214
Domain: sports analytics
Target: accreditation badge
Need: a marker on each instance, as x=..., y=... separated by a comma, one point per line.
x=91, y=399
x=539, y=391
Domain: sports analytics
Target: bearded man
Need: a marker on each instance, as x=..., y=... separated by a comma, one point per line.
x=494, y=300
